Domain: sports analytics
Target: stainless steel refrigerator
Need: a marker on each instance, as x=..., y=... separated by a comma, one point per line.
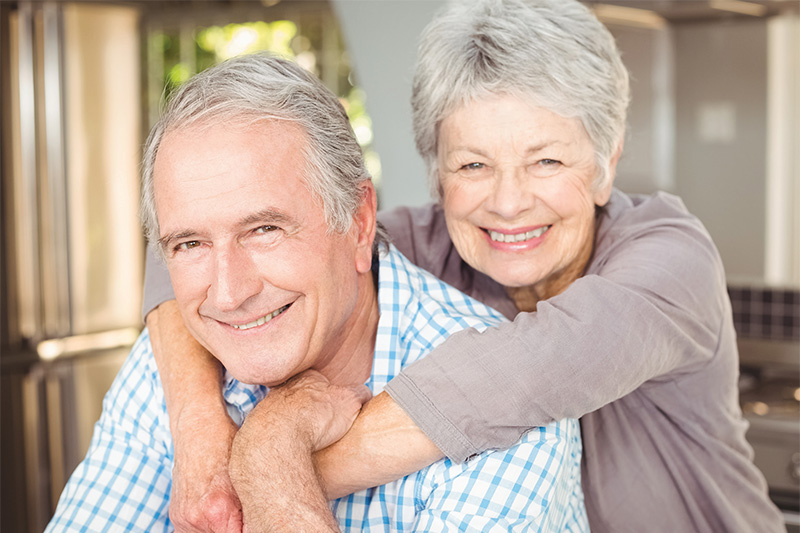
x=72, y=248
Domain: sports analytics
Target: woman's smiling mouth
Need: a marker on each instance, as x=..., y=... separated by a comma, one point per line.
x=497, y=236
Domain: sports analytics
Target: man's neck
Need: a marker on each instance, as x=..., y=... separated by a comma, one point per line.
x=352, y=362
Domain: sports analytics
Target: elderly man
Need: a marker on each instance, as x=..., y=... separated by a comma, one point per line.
x=256, y=193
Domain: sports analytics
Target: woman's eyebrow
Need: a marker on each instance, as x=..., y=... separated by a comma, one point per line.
x=529, y=150
x=546, y=144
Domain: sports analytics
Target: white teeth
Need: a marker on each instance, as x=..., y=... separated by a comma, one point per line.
x=263, y=319
x=518, y=237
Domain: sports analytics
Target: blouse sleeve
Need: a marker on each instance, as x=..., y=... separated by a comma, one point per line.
x=651, y=303
x=157, y=285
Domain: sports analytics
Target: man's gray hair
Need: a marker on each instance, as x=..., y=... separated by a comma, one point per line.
x=554, y=53
x=257, y=87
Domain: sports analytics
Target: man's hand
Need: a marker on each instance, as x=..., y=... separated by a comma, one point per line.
x=310, y=407
x=271, y=464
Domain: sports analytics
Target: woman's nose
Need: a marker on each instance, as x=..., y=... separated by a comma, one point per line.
x=510, y=195
x=236, y=279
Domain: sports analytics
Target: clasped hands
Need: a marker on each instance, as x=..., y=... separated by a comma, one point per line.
x=225, y=479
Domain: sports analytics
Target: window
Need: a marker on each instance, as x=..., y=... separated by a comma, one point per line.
x=182, y=40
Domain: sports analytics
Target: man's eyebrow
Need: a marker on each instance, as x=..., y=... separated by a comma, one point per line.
x=267, y=215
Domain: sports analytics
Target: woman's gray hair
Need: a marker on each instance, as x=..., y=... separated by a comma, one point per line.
x=554, y=53
x=257, y=87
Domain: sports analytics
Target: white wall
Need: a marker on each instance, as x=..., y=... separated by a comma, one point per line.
x=721, y=96
x=381, y=38
x=647, y=162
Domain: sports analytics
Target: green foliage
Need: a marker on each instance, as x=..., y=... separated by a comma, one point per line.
x=304, y=44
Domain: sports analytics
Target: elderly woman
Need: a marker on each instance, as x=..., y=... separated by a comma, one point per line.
x=620, y=309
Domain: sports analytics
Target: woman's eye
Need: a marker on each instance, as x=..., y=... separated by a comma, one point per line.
x=473, y=166
x=548, y=162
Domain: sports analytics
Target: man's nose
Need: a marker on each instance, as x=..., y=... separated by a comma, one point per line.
x=236, y=279
x=510, y=195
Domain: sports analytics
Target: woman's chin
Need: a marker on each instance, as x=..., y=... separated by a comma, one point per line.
x=512, y=280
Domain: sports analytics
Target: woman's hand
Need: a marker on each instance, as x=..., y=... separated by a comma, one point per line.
x=203, y=498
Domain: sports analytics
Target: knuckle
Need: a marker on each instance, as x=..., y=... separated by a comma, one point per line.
x=218, y=508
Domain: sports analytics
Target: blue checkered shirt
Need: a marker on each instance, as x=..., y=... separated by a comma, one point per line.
x=124, y=482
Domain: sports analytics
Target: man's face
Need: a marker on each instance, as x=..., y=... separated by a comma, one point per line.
x=259, y=279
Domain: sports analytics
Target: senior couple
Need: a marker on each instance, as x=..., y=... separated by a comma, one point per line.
x=593, y=387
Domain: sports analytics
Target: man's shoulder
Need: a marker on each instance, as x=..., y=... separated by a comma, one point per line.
x=418, y=312
x=140, y=358
x=420, y=233
x=413, y=291
x=134, y=404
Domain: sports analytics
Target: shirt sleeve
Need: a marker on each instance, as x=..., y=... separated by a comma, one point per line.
x=157, y=285
x=651, y=303
x=124, y=482
x=533, y=486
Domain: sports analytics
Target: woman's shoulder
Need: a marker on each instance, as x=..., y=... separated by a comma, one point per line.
x=655, y=239
x=623, y=207
x=660, y=216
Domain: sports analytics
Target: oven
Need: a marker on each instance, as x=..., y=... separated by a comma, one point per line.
x=769, y=394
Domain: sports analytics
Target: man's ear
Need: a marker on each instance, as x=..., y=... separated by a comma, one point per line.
x=364, y=221
x=601, y=196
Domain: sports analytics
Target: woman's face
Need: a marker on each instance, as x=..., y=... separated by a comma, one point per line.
x=517, y=190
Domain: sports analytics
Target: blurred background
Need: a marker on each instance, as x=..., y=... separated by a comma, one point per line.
x=715, y=119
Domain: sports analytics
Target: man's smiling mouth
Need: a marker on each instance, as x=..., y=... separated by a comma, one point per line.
x=262, y=320
x=517, y=237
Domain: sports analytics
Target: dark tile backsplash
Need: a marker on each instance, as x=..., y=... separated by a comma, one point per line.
x=765, y=313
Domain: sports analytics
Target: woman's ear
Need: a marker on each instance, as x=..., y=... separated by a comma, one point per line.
x=365, y=225
x=602, y=195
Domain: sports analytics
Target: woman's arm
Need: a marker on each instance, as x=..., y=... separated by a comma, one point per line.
x=652, y=301
x=202, y=498
x=383, y=444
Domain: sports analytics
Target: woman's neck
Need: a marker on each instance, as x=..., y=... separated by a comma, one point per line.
x=527, y=298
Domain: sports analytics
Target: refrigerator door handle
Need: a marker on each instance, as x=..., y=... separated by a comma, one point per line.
x=56, y=269
x=26, y=189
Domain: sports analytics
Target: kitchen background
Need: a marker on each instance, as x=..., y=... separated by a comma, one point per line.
x=715, y=119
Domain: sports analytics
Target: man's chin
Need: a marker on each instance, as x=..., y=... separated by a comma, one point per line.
x=256, y=375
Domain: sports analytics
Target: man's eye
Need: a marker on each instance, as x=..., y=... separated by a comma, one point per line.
x=548, y=162
x=265, y=229
x=473, y=166
x=188, y=245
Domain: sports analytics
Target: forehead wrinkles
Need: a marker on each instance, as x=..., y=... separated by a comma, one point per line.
x=198, y=162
